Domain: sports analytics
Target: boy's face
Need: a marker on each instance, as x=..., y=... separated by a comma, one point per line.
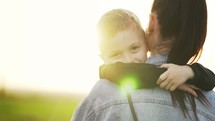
x=126, y=46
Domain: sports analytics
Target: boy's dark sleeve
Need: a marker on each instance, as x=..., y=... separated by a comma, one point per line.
x=203, y=78
x=146, y=74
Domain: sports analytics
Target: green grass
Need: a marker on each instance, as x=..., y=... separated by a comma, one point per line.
x=36, y=107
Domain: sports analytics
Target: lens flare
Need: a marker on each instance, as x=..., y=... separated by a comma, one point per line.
x=129, y=83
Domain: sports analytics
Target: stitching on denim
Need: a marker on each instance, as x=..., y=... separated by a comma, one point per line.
x=90, y=107
x=203, y=113
x=145, y=100
x=118, y=102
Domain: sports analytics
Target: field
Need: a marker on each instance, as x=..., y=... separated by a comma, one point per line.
x=37, y=106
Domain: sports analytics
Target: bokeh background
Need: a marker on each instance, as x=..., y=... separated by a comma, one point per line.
x=49, y=55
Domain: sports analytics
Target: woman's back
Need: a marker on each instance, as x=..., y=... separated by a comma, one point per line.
x=106, y=102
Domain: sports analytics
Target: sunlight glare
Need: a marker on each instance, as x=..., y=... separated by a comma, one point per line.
x=51, y=45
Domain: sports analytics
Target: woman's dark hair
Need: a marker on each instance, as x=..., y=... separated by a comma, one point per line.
x=185, y=23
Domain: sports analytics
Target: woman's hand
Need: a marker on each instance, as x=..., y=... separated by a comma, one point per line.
x=174, y=76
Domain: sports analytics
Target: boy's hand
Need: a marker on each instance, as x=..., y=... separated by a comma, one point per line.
x=174, y=76
x=188, y=88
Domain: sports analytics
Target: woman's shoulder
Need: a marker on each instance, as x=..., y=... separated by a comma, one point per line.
x=108, y=90
x=103, y=94
x=104, y=90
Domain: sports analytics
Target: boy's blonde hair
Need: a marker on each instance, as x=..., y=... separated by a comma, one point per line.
x=115, y=21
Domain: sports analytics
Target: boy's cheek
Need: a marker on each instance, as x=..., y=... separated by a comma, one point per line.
x=109, y=61
x=105, y=59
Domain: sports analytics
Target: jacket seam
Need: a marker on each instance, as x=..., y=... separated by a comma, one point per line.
x=153, y=101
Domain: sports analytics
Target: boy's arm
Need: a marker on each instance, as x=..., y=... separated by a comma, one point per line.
x=146, y=74
x=194, y=74
x=174, y=76
x=203, y=79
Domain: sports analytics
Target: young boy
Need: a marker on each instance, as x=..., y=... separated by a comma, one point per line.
x=121, y=38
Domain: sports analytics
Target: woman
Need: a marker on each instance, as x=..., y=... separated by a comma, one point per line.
x=176, y=34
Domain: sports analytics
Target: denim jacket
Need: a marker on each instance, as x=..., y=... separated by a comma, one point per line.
x=107, y=102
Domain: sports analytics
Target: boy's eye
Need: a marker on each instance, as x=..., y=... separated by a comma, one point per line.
x=115, y=55
x=134, y=48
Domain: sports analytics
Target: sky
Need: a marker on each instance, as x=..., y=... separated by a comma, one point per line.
x=51, y=45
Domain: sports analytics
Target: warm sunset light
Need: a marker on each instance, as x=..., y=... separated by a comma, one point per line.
x=51, y=45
